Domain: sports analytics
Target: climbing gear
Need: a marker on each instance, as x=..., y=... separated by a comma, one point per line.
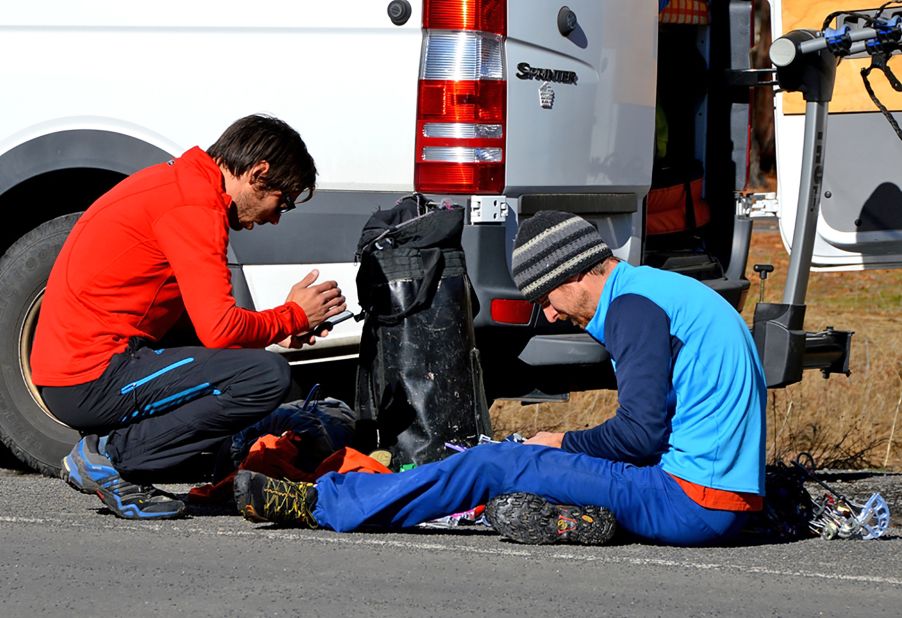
x=836, y=516
x=790, y=513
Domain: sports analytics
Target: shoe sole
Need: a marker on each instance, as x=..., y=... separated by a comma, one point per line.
x=130, y=511
x=530, y=519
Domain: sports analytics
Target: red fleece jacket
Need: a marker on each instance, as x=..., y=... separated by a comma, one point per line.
x=146, y=251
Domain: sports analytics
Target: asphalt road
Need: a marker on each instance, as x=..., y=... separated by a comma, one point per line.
x=63, y=555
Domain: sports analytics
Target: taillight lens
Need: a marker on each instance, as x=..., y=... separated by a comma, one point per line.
x=483, y=15
x=462, y=56
x=508, y=311
x=476, y=102
x=461, y=109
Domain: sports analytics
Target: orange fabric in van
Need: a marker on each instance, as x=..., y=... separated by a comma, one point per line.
x=666, y=208
x=694, y=12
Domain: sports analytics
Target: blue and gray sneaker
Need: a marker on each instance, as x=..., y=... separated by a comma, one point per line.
x=90, y=471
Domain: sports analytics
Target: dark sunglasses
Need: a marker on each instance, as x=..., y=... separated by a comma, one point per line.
x=287, y=204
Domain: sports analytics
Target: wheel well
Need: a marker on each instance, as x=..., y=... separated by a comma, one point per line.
x=49, y=195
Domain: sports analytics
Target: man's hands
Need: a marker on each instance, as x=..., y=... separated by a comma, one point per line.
x=547, y=438
x=319, y=302
x=294, y=342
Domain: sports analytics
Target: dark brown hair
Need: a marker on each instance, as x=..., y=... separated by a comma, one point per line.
x=257, y=138
x=599, y=267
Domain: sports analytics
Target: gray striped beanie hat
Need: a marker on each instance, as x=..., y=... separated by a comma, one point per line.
x=551, y=247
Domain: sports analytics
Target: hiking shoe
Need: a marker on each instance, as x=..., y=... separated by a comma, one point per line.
x=528, y=518
x=91, y=472
x=261, y=498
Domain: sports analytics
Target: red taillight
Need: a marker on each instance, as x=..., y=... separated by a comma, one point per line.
x=462, y=103
x=483, y=15
x=441, y=177
x=509, y=311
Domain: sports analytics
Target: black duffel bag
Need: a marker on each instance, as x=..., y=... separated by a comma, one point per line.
x=419, y=382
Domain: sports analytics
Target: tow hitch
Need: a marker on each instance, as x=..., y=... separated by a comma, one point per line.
x=786, y=349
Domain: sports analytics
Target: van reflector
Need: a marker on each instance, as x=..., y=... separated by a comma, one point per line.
x=484, y=15
x=461, y=130
x=459, y=154
x=462, y=98
x=509, y=311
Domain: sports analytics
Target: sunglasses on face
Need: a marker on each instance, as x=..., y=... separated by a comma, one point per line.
x=286, y=204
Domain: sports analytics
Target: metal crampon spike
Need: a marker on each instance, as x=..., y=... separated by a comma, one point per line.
x=846, y=519
x=874, y=517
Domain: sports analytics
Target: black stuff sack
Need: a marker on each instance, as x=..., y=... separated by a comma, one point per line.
x=419, y=381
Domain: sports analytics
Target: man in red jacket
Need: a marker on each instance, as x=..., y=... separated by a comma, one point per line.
x=150, y=250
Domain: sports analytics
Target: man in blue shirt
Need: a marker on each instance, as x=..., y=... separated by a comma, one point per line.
x=681, y=462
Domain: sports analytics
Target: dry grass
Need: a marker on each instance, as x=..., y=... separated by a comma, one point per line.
x=852, y=422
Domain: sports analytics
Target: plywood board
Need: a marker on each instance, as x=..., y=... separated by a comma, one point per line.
x=849, y=94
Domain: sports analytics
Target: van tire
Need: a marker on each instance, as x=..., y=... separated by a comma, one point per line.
x=32, y=434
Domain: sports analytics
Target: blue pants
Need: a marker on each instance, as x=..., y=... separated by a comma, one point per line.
x=646, y=501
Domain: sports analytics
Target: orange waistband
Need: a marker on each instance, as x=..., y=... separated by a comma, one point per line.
x=720, y=499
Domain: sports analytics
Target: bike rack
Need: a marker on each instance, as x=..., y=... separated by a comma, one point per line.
x=805, y=62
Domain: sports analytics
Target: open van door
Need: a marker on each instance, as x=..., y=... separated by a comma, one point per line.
x=860, y=222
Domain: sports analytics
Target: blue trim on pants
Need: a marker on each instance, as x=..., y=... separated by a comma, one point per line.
x=645, y=500
x=188, y=400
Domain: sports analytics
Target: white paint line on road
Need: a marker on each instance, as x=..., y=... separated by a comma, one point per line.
x=732, y=567
x=283, y=535
x=521, y=553
x=603, y=559
x=301, y=536
x=22, y=520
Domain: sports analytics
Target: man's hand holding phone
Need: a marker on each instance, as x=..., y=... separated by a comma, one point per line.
x=329, y=323
x=322, y=303
x=322, y=330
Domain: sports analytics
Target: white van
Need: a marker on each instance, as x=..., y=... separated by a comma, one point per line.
x=505, y=107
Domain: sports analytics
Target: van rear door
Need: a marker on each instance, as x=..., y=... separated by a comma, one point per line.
x=581, y=96
x=860, y=223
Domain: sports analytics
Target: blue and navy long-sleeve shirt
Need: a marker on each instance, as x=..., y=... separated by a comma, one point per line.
x=691, y=389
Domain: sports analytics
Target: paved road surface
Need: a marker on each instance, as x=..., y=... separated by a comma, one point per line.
x=62, y=555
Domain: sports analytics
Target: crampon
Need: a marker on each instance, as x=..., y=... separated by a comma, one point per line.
x=835, y=516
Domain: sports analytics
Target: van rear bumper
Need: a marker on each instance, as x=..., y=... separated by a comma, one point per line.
x=575, y=349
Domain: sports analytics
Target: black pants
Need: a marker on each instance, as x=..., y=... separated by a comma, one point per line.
x=162, y=407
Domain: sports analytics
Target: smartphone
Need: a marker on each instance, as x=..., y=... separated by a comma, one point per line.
x=329, y=323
